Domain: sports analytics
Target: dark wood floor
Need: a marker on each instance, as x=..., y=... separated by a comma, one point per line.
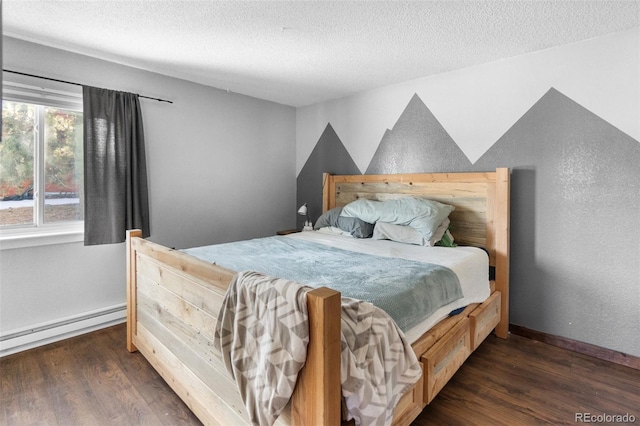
x=93, y=380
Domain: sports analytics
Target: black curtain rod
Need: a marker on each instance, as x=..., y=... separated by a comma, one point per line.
x=75, y=84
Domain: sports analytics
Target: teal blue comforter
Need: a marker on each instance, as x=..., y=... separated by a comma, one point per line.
x=408, y=291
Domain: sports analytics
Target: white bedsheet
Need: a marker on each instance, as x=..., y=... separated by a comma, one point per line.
x=470, y=264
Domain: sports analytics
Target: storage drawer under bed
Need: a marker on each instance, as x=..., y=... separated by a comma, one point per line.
x=444, y=358
x=484, y=319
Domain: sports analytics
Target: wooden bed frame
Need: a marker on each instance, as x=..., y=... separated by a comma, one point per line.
x=174, y=299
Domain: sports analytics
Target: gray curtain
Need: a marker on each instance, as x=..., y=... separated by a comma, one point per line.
x=115, y=172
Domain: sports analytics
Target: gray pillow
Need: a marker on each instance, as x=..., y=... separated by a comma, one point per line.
x=358, y=228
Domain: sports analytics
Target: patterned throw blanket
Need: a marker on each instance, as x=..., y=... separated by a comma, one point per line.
x=262, y=333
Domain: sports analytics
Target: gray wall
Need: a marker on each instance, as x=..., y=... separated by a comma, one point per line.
x=575, y=212
x=221, y=167
x=575, y=223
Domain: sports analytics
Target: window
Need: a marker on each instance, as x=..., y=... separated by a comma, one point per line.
x=41, y=162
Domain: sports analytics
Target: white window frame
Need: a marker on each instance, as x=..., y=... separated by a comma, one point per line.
x=52, y=95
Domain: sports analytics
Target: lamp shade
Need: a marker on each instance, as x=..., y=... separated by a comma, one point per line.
x=303, y=210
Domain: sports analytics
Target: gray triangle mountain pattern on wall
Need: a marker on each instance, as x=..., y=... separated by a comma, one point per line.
x=575, y=198
x=328, y=156
x=575, y=226
x=417, y=143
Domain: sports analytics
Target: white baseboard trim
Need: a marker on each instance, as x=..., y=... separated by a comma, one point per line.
x=19, y=340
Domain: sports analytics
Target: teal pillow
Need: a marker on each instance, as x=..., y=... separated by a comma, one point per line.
x=420, y=213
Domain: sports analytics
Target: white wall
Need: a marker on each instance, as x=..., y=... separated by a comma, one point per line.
x=477, y=105
x=221, y=167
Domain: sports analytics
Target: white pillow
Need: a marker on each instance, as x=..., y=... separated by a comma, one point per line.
x=407, y=234
x=333, y=230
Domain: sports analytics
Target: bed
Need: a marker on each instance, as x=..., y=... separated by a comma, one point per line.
x=174, y=299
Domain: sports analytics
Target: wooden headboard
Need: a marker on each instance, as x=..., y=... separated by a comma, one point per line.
x=481, y=200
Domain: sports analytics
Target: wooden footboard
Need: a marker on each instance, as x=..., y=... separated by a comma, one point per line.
x=173, y=302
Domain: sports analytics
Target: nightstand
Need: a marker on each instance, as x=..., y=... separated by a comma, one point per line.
x=288, y=231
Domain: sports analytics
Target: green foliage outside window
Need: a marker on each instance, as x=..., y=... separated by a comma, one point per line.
x=61, y=170
x=17, y=148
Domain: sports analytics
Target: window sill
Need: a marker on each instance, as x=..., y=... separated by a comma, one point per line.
x=62, y=234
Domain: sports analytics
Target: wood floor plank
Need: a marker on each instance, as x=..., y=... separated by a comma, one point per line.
x=540, y=389
x=25, y=388
x=93, y=380
x=169, y=409
x=523, y=382
x=583, y=379
x=124, y=396
x=66, y=386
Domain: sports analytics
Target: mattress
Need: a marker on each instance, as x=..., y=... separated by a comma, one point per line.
x=471, y=265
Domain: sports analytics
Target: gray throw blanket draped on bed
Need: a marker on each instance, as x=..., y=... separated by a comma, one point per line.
x=262, y=333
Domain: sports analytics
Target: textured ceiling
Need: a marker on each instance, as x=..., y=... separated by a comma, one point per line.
x=302, y=52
